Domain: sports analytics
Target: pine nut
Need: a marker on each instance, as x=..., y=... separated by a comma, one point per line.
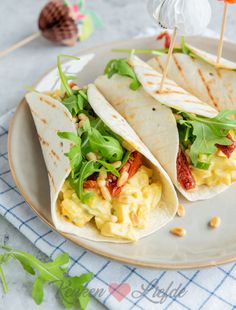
x=123, y=178
x=181, y=211
x=215, y=222
x=105, y=193
x=82, y=117
x=74, y=119
x=103, y=174
x=178, y=231
x=178, y=117
x=101, y=182
x=117, y=164
x=91, y=156
x=81, y=124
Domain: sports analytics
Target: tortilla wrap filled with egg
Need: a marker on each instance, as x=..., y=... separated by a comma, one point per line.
x=197, y=72
x=50, y=117
x=152, y=114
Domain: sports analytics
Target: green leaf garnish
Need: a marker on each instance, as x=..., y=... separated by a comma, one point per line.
x=203, y=165
x=203, y=133
x=109, y=168
x=122, y=67
x=50, y=272
x=63, y=77
x=205, y=142
x=93, y=135
x=109, y=147
x=87, y=169
x=70, y=136
x=125, y=158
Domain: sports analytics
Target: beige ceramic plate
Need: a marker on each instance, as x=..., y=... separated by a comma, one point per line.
x=200, y=248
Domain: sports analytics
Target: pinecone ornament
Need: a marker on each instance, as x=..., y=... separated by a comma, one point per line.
x=56, y=24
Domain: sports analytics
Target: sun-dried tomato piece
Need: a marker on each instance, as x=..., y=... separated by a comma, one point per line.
x=184, y=174
x=132, y=166
x=227, y=149
x=90, y=184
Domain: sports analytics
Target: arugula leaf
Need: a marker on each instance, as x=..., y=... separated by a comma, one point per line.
x=105, y=130
x=63, y=78
x=72, y=104
x=70, y=136
x=205, y=141
x=184, y=47
x=75, y=157
x=109, y=168
x=75, y=103
x=75, y=154
x=203, y=133
x=125, y=158
x=122, y=67
x=109, y=147
x=50, y=272
x=219, y=123
x=87, y=169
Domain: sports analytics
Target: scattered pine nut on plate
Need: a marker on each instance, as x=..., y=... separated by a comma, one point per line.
x=181, y=211
x=214, y=222
x=178, y=231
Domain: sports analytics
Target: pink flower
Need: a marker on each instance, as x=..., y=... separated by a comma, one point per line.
x=75, y=14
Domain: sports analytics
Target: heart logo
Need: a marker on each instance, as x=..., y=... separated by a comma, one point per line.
x=119, y=291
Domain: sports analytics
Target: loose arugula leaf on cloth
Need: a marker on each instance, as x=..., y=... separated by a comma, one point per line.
x=49, y=272
x=122, y=67
x=204, y=133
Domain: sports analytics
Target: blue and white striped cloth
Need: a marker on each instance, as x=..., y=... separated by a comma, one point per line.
x=115, y=285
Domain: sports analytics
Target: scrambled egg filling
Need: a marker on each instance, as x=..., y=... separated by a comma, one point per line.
x=221, y=171
x=119, y=217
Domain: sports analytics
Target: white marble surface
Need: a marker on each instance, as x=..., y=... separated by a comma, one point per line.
x=123, y=19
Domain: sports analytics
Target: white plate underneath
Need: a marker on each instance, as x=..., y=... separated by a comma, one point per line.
x=201, y=246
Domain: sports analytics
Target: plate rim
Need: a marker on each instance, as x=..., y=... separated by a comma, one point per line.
x=78, y=242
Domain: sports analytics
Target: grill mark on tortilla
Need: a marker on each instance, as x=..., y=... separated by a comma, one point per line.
x=42, y=141
x=229, y=93
x=181, y=71
x=67, y=115
x=43, y=120
x=194, y=102
x=43, y=100
x=132, y=115
x=151, y=74
x=159, y=64
x=52, y=180
x=54, y=154
x=168, y=92
x=207, y=88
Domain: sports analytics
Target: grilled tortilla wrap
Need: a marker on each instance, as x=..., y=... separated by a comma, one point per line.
x=151, y=114
x=197, y=72
x=50, y=117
